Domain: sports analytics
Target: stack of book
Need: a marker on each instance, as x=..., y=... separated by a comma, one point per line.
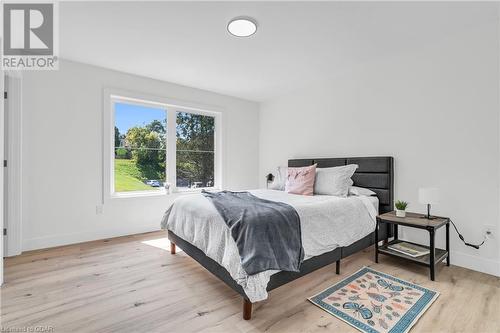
x=409, y=249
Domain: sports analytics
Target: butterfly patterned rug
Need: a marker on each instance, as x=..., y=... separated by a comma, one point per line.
x=374, y=302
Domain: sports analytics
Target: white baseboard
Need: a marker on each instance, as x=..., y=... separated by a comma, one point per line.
x=73, y=238
x=484, y=265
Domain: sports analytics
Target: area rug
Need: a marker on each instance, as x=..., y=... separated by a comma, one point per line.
x=373, y=301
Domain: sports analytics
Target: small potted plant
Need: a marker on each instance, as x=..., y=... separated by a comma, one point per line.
x=401, y=208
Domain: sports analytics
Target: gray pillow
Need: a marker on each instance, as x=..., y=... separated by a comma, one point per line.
x=334, y=181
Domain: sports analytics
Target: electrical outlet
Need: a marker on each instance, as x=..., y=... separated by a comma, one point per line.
x=98, y=209
x=490, y=231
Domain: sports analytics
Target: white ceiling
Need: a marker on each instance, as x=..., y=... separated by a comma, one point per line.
x=297, y=44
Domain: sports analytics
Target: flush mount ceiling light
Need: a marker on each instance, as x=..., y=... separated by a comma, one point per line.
x=242, y=26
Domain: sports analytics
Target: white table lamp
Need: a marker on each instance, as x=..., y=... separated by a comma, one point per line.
x=428, y=196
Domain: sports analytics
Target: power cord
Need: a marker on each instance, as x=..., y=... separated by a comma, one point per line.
x=463, y=240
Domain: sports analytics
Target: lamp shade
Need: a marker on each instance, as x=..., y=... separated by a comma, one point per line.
x=428, y=195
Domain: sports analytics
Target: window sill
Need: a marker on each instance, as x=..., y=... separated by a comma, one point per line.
x=138, y=194
x=159, y=193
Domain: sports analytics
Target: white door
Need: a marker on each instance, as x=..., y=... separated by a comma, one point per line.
x=2, y=136
x=5, y=171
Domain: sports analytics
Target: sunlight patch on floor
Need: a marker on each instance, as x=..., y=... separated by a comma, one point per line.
x=161, y=243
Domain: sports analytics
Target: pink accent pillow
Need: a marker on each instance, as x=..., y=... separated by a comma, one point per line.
x=301, y=180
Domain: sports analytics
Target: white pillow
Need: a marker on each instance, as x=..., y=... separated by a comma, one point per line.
x=279, y=179
x=355, y=190
x=335, y=180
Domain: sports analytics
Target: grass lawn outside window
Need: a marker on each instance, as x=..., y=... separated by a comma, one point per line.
x=127, y=177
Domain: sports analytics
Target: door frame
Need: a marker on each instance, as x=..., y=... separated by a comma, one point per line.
x=13, y=153
x=2, y=136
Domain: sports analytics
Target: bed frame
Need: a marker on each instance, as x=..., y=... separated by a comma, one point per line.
x=375, y=173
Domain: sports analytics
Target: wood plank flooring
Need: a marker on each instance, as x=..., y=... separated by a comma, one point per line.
x=126, y=285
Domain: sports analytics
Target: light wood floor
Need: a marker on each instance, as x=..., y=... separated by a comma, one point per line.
x=125, y=285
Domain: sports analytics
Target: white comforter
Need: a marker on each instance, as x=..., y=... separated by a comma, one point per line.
x=327, y=222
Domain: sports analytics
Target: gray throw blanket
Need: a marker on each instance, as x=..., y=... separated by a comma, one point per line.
x=267, y=233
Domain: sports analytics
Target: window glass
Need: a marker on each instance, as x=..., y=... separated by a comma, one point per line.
x=195, y=153
x=140, y=147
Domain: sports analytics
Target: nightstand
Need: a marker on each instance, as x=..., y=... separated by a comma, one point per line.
x=418, y=221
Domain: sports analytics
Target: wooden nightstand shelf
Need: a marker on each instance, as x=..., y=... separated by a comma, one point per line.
x=415, y=220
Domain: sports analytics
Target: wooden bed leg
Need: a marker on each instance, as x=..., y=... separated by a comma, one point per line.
x=172, y=248
x=337, y=268
x=247, y=309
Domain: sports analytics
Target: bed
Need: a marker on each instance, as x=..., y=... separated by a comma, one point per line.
x=197, y=232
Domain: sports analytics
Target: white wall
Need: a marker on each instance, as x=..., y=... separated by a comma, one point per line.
x=62, y=154
x=434, y=108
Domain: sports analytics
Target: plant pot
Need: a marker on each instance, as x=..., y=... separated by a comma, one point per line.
x=400, y=213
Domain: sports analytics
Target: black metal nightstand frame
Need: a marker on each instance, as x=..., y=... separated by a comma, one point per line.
x=435, y=255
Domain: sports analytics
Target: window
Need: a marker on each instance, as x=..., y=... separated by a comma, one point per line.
x=157, y=145
x=140, y=147
x=195, y=150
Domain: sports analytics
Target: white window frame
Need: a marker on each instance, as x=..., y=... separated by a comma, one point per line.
x=171, y=107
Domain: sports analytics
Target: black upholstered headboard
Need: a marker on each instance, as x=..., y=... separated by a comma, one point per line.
x=375, y=173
